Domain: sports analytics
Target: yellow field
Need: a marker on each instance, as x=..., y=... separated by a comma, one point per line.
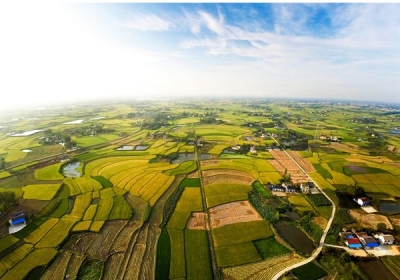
x=35, y=236
x=40, y=191
x=57, y=234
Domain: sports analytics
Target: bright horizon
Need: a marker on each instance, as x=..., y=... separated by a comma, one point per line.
x=66, y=52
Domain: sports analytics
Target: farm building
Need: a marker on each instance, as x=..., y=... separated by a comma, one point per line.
x=290, y=189
x=17, y=222
x=314, y=191
x=277, y=188
x=362, y=201
x=353, y=243
x=367, y=241
x=385, y=239
x=304, y=188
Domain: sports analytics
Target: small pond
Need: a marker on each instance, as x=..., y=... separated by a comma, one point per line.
x=292, y=215
x=295, y=237
x=395, y=131
x=125, y=148
x=248, y=138
x=389, y=208
x=71, y=170
x=228, y=151
x=141, y=147
x=189, y=156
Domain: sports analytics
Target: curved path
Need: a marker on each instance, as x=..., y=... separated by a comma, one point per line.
x=328, y=226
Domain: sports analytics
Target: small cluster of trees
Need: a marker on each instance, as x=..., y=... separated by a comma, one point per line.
x=6, y=200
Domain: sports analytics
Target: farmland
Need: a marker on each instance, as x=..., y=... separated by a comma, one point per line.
x=186, y=199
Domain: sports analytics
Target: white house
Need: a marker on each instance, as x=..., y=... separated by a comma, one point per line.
x=362, y=201
x=386, y=239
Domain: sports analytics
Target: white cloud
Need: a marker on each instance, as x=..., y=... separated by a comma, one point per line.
x=147, y=23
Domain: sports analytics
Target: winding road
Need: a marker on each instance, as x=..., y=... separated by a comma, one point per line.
x=328, y=226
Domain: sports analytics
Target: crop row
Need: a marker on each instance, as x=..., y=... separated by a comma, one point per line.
x=265, y=269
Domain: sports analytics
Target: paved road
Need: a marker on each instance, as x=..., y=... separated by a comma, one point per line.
x=328, y=226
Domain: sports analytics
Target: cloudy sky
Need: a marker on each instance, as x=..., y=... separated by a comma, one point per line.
x=68, y=51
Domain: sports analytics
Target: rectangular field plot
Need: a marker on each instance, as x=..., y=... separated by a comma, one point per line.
x=197, y=254
x=35, y=236
x=241, y=232
x=36, y=258
x=269, y=248
x=49, y=173
x=82, y=226
x=237, y=254
x=17, y=255
x=81, y=203
x=57, y=234
x=300, y=203
x=178, y=263
x=40, y=191
x=121, y=209
x=217, y=194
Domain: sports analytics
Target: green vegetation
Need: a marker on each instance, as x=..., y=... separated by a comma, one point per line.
x=198, y=261
x=319, y=200
x=40, y=191
x=125, y=198
x=50, y=172
x=269, y=248
x=163, y=256
x=267, y=211
x=309, y=271
x=190, y=182
x=91, y=269
x=240, y=233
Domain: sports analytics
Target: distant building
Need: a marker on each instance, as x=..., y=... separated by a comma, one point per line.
x=17, y=222
x=362, y=201
x=386, y=239
x=353, y=243
x=277, y=188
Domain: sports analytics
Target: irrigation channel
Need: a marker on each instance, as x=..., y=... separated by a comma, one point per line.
x=328, y=226
x=216, y=274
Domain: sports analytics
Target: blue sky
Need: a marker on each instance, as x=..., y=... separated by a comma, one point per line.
x=60, y=52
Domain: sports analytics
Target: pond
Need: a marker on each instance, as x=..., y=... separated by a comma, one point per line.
x=228, y=151
x=125, y=148
x=71, y=170
x=141, y=147
x=389, y=208
x=395, y=131
x=295, y=237
x=189, y=156
x=292, y=215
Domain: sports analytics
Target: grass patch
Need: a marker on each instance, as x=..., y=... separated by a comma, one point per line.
x=103, y=181
x=237, y=254
x=269, y=247
x=61, y=209
x=309, y=271
x=121, y=209
x=163, y=256
x=91, y=270
x=260, y=188
x=322, y=171
x=190, y=182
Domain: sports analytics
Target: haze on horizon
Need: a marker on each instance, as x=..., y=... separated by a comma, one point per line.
x=65, y=52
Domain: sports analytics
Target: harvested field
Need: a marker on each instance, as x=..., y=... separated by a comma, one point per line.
x=370, y=220
x=226, y=176
x=283, y=163
x=234, y=212
x=304, y=163
x=196, y=221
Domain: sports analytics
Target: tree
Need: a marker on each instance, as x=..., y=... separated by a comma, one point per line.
x=2, y=163
x=381, y=227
